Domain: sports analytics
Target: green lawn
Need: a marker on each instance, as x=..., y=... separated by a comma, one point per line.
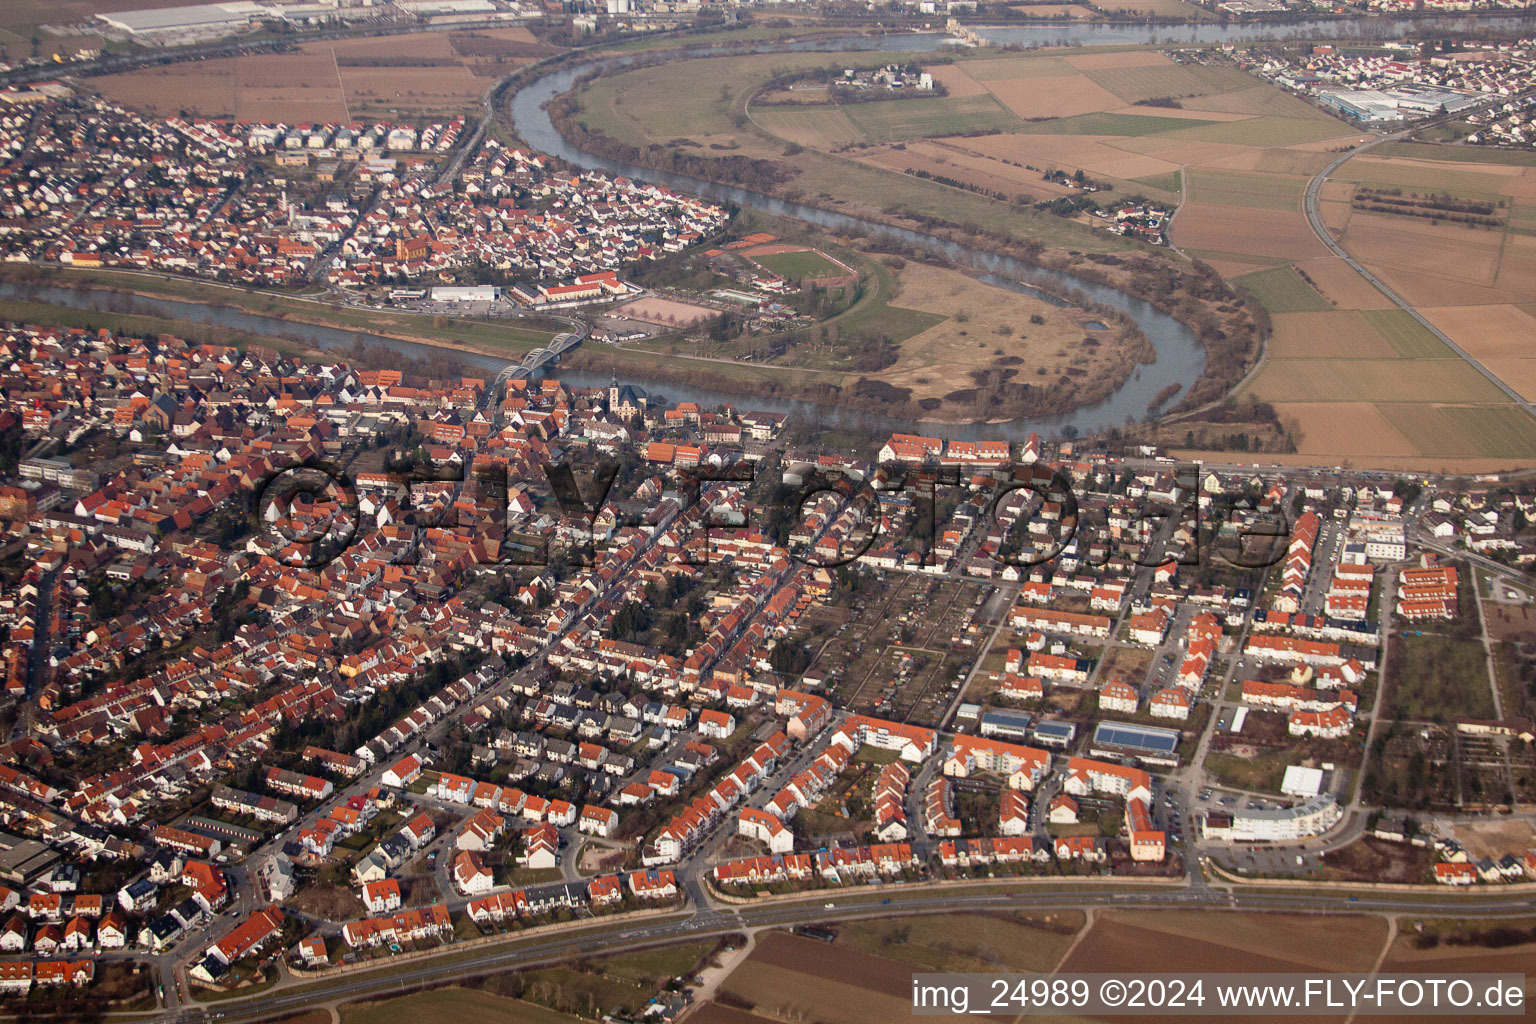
x=656, y=965
x=965, y=942
x=1281, y=290
x=1262, y=773
x=793, y=266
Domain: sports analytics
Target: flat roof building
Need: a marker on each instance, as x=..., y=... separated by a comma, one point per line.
x=199, y=18
x=1143, y=742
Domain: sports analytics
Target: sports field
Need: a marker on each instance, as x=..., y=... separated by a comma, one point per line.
x=799, y=263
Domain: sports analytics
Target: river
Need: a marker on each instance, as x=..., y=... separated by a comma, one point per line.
x=1179, y=356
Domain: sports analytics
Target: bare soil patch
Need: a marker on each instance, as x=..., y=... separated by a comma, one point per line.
x=1282, y=233
x=1228, y=942
x=954, y=79
x=1093, y=153
x=1036, y=98
x=1496, y=838
x=1338, y=333
x=1339, y=282
x=654, y=310
x=1510, y=622
x=1341, y=431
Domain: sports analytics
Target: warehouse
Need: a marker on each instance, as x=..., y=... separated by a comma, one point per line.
x=202, y=19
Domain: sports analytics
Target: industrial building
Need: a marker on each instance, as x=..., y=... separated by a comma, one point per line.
x=200, y=19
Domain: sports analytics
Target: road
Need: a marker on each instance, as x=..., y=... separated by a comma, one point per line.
x=608, y=940
x=1315, y=220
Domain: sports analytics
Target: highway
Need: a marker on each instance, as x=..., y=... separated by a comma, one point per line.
x=1315, y=220
x=383, y=981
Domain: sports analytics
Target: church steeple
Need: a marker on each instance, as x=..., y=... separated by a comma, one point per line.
x=613, y=393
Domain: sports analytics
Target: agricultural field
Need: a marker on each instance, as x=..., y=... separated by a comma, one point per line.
x=966, y=942
x=1235, y=942
x=410, y=77
x=788, y=977
x=1282, y=290
x=896, y=120
x=1360, y=379
x=451, y=1006
x=1346, y=368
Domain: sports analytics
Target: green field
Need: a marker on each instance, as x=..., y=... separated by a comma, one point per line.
x=1173, y=181
x=1261, y=131
x=822, y=127
x=965, y=942
x=1439, y=678
x=1378, y=380
x=1246, y=188
x=1263, y=773
x=1281, y=290
x=892, y=322
x=1408, y=338
x=1413, y=177
x=793, y=266
x=895, y=120
x=1259, y=99
x=1145, y=83
x=1115, y=124
x=1457, y=154
x=1494, y=431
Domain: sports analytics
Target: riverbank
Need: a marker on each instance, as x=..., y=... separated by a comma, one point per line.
x=1229, y=326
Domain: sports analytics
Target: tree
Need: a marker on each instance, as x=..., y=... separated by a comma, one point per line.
x=630, y=622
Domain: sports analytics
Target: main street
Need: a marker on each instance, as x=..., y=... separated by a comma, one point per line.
x=628, y=935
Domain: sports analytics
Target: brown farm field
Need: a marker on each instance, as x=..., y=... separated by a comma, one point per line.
x=1353, y=378
x=329, y=81
x=1222, y=941
x=792, y=978
x=966, y=942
